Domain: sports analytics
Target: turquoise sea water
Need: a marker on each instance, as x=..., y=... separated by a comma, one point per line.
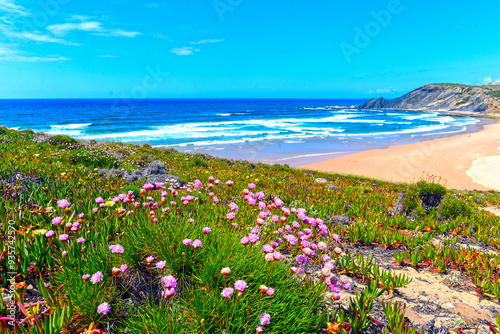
x=294, y=131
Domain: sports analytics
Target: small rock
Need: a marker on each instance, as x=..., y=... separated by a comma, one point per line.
x=333, y=187
x=342, y=219
x=320, y=180
x=448, y=306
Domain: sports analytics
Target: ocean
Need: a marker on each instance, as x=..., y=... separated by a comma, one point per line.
x=292, y=131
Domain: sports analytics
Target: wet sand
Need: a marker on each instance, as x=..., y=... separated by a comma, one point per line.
x=470, y=161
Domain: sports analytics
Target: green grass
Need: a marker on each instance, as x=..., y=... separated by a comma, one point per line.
x=464, y=100
x=156, y=224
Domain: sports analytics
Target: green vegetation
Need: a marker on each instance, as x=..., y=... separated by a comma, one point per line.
x=62, y=140
x=453, y=207
x=464, y=101
x=495, y=93
x=262, y=250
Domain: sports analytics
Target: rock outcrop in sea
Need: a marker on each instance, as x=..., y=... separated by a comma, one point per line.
x=483, y=99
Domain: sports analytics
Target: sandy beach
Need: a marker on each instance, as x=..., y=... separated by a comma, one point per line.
x=470, y=161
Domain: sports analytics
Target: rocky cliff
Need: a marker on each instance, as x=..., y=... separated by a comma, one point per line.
x=483, y=99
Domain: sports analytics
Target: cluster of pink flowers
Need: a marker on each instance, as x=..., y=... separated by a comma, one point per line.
x=117, y=249
x=63, y=204
x=103, y=308
x=169, y=283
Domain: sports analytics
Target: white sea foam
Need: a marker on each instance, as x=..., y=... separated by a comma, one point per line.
x=224, y=115
x=71, y=126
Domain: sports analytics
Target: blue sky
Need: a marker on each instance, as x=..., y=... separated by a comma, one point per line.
x=243, y=48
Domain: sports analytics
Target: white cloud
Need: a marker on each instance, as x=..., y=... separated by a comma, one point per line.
x=204, y=41
x=384, y=90
x=184, y=51
x=121, y=33
x=159, y=35
x=8, y=6
x=80, y=18
x=64, y=28
x=8, y=54
x=41, y=38
x=89, y=26
x=389, y=89
x=487, y=80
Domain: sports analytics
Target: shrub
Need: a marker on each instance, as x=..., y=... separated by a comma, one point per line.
x=453, y=207
x=198, y=162
x=412, y=200
x=61, y=140
x=3, y=130
x=93, y=159
x=431, y=194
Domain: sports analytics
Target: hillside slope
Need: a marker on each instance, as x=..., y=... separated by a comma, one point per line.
x=448, y=97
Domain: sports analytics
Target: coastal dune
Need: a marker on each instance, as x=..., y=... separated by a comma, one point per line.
x=470, y=161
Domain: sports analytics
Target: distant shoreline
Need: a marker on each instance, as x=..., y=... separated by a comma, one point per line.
x=466, y=160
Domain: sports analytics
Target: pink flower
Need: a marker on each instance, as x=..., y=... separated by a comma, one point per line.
x=150, y=259
x=187, y=242
x=206, y=230
x=227, y=292
x=230, y=215
x=233, y=206
x=148, y=186
x=81, y=215
x=278, y=202
x=225, y=271
x=85, y=277
x=251, y=201
x=216, y=200
x=99, y=200
x=240, y=285
x=161, y=264
x=197, y=243
x=168, y=293
x=50, y=234
x=198, y=184
x=259, y=330
x=253, y=238
x=270, y=291
x=211, y=179
x=265, y=319
x=169, y=281
x=158, y=185
x=63, y=204
x=117, y=249
x=57, y=220
x=216, y=182
x=63, y=237
x=245, y=240
x=229, y=183
x=103, y=308
x=251, y=186
x=123, y=267
x=335, y=237
x=267, y=248
x=260, y=195
x=262, y=206
x=95, y=210
x=96, y=278
x=65, y=253
x=80, y=240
